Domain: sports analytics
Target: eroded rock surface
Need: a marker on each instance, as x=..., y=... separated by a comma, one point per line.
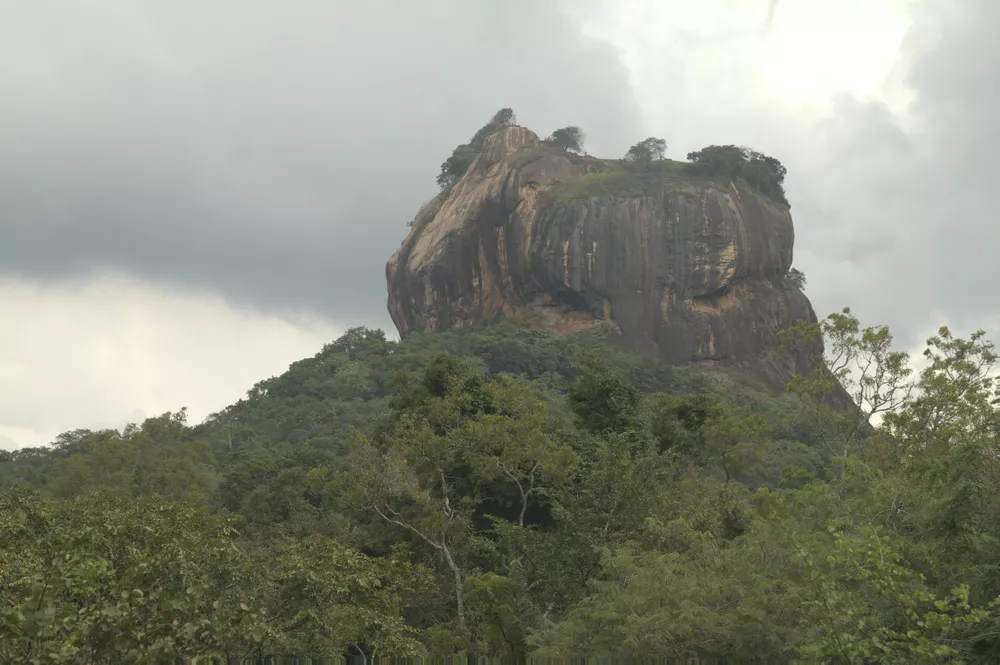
x=683, y=268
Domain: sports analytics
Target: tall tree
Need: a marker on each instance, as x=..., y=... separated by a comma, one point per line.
x=568, y=138
x=602, y=398
x=406, y=483
x=734, y=163
x=646, y=151
x=514, y=446
x=462, y=157
x=863, y=362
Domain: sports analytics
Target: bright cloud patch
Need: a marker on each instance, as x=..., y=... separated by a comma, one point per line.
x=113, y=350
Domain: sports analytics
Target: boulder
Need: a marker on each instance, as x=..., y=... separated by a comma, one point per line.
x=680, y=266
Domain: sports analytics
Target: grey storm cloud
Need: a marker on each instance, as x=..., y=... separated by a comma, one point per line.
x=898, y=217
x=271, y=152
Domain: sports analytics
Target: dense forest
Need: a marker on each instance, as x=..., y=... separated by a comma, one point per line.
x=507, y=491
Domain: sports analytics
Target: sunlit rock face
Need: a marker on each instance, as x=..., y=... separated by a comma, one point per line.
x=680, y=267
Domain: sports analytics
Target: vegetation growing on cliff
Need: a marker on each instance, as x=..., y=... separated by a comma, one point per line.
x=646, y=172
x=646, y=151
x=649, y=170
x=763, y=173
x=511, y=491
x=796, y=278
x=567, y=138
x=619, y=180
x=453, y=168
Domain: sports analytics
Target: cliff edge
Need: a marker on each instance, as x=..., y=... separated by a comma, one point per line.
x=680, y=266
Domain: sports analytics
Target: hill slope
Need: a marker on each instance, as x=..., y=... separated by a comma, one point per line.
x=528, y=492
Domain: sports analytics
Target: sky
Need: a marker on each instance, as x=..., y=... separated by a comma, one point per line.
x=194, y=194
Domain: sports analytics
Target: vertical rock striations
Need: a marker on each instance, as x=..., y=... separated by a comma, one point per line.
x=682, y=267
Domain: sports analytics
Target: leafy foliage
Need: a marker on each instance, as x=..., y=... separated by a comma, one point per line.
x=462, y=157
x=602, y=399
x=508, y=491
x=763, y=173
x=796, y=278
x=567, y=138
x=646, y=151
x=101, y=579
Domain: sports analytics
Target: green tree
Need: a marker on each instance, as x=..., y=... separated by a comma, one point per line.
x=568, y=138
x=727, y=161
x=158, y=457
x=734, y=439
x=504, y=116
x=762, y=172
x=687, y=586
x=646, y=151
x=453, y=168
x=796, y=278
x=459, y=445
x=863, y=363
x=870, y=607
x=413, y=476
x=602, y=398
x=617, y=485
x=407, y=484
x=503, y=610
x=956, y=394
x=100, y=579
x=512, y=445
x=514, y=492
x=677, y=421
x=462, y=157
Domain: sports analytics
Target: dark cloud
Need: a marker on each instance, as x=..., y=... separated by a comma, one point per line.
x=274, y=152
x=269, y=151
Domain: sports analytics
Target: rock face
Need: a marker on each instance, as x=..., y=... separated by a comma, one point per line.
x=683, y=268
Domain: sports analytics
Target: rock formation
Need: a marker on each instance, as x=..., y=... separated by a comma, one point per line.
x=680, y=266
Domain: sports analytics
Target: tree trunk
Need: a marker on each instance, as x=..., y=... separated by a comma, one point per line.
x=459, y=603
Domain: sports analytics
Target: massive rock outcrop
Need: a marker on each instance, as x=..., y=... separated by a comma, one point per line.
x=681, y=267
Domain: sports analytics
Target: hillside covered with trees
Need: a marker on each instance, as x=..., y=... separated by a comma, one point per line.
x=507, y=491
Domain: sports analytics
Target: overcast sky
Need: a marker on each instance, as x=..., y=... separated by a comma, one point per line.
x=195, y=193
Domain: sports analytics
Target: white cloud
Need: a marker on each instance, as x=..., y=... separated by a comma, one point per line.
x=705, y=71
x=113, y=350
x=879, y=110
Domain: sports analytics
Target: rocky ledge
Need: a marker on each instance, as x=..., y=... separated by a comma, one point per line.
x=686, y=268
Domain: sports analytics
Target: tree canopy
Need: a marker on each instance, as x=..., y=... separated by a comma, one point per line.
x=506, y=491
x=796, y=278
x=646, y=151
x=453, y=168
x=764, y=173
x=568, y=138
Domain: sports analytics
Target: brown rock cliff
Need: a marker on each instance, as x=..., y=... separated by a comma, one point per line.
x=682, y=267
